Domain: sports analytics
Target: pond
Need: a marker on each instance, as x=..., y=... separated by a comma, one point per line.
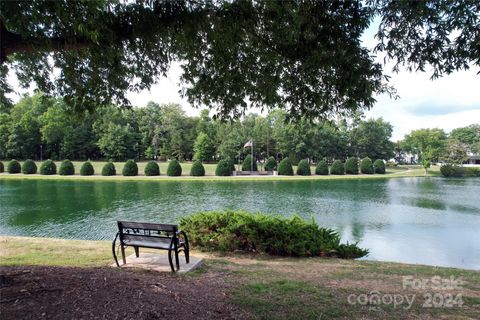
x=432, y=221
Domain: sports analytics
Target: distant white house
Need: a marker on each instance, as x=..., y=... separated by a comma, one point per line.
x=405, y=158
x=473, y=159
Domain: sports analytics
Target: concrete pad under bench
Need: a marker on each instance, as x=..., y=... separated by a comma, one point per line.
x=159, y=262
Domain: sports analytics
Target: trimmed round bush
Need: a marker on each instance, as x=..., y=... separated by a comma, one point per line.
x=197, y=169
x=13, y=166
x=152, y=169
x=366, y=166
x=130, y=168
x=379, y=166
x=29, y=167
x=87, y=169
x=303, y=168
x=1, y=167
x=232, y=163
x=321, y=168
x=247, y=164
x=337, y=168
x=109, y=169
x=452, y=170
x=48, y=167
x=351, y=166
x=285, y=167
x=271, y=164
x=224, y=168
x=66, y=168
x=174, y=169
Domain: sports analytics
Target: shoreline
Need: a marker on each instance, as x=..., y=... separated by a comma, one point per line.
x=390, y=174
x=49, y=241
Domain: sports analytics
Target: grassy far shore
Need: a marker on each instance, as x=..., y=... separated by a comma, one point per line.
x=280, y=288
x=400, y=171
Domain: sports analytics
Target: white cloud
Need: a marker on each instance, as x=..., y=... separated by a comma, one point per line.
x=449, y=102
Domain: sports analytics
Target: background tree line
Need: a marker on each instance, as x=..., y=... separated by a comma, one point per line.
x=40, y=126
x=435, y=145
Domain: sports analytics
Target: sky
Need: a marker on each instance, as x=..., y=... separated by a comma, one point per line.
x=449, y=102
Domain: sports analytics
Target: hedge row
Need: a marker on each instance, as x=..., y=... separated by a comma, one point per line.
x=456, y=171
x=230, y=230
x=224, y=167
x=351, y=166
x=130, y=168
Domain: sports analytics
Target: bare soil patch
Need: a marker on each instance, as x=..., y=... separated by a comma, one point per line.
x=37, y=292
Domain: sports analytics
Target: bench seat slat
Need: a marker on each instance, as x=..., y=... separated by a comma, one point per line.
x=148, y=244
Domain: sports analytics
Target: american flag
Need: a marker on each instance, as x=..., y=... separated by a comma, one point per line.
x=248, y=144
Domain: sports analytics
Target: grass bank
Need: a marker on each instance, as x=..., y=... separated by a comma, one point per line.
x=395, y=172
x=287, y=288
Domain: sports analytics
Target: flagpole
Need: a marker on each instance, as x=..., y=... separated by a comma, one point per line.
x=251, y=163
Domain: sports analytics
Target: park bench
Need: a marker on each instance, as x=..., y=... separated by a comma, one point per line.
x=154, y=236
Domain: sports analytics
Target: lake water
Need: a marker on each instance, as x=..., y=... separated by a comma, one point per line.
x=432, y=221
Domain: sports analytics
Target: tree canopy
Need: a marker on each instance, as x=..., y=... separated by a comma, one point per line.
x=43, y=127
x=428, y=144
x=39, y=127
x=303, y=56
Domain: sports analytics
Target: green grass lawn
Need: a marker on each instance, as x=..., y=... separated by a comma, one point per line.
x=282, y=288
x=400, y=171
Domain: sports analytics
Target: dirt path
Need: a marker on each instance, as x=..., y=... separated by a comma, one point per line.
x=106, y=293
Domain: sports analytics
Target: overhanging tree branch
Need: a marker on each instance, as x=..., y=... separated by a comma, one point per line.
x=12, y=43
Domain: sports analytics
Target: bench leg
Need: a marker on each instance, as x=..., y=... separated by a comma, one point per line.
x=137, y=253
x=177, y=261
x=170, y=260
x=187, y=255
x=123, y=255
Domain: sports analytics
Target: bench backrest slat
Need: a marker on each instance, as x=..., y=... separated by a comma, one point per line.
x=146, y=226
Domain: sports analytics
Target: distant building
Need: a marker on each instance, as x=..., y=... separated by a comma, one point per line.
x=405, y=158
x=473, y=158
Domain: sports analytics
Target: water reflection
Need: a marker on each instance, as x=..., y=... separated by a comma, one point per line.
x=427, y=203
